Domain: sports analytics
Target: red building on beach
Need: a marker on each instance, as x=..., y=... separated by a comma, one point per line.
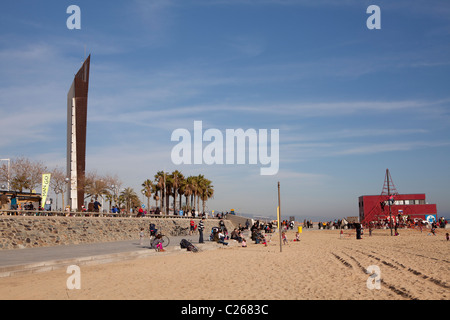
x=413, y=206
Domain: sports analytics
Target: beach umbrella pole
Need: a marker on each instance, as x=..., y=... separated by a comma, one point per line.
x=279, y=215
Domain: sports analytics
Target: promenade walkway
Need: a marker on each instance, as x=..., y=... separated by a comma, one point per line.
x=33, y=260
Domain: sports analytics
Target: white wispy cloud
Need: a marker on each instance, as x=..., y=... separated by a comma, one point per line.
x=372, y=148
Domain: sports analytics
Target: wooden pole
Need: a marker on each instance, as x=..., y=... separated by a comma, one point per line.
x=279, y=216
x=389, y=199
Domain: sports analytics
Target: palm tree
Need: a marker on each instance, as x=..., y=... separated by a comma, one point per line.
x=148, y=189
x=130, y=197
x=200, y=180
x=181, y=190
x=160, y=182
x=207, y=192
x=195, y=191
x=176, y=179
x=168, y=191
x=189, y=188
x=175, y=184
x=110, y=198
x=95, y=186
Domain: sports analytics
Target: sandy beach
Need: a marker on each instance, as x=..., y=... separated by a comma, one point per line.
x=321, y=266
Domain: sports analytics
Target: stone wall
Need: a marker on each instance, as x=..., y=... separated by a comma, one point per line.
x=17, y=232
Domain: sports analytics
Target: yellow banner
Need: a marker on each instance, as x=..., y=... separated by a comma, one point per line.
x=45, y=186
x=278, y=217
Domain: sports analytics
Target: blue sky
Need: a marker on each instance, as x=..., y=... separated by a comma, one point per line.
x=349, y=102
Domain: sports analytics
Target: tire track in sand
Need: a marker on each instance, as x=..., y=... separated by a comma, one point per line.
x=404, y=293
x=397, y=266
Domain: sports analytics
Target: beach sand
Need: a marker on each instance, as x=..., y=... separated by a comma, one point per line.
x=321, y=266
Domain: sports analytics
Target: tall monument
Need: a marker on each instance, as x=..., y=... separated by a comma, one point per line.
x=77, y=99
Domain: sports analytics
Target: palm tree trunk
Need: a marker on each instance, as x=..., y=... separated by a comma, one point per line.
x=198, y=203
x=167, y=202
x=174, y=200
x=162, y=200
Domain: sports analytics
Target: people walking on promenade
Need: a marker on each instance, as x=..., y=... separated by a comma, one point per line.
x=201, y=227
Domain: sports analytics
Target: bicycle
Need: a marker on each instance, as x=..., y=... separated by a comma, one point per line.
x=159, y=238
x=180, y=231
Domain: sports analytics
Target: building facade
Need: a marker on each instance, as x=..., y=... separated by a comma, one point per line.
x=414, y=206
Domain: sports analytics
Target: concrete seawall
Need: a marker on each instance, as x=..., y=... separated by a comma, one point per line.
x=18, y=232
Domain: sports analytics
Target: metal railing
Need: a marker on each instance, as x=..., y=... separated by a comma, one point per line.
x=43, y=213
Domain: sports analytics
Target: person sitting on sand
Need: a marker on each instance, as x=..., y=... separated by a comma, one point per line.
x=159, y=247
x=236, y=235
x=244, y=243
x=219, y=237
x=157, y=243
x=297, y=236
x=259, y=238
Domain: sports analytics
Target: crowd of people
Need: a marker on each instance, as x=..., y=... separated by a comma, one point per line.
x=335, y=224
x=407, y=222
x=258, y=232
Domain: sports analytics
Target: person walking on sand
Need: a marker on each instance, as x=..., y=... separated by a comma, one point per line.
x=432, y=231
x=191, y=227
x=284, y=237
x=201, y=227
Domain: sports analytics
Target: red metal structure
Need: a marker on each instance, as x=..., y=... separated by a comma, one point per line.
x=392, y=204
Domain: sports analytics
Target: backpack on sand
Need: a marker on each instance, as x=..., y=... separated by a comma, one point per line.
x=185, y=244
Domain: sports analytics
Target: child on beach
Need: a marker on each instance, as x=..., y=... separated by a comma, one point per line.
x=284, y=237
x=157, y=244
x=159, y=247
x=244, y=243
x=297, y=236
x=141, y=236
x=447, y=236
x=264, y=241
